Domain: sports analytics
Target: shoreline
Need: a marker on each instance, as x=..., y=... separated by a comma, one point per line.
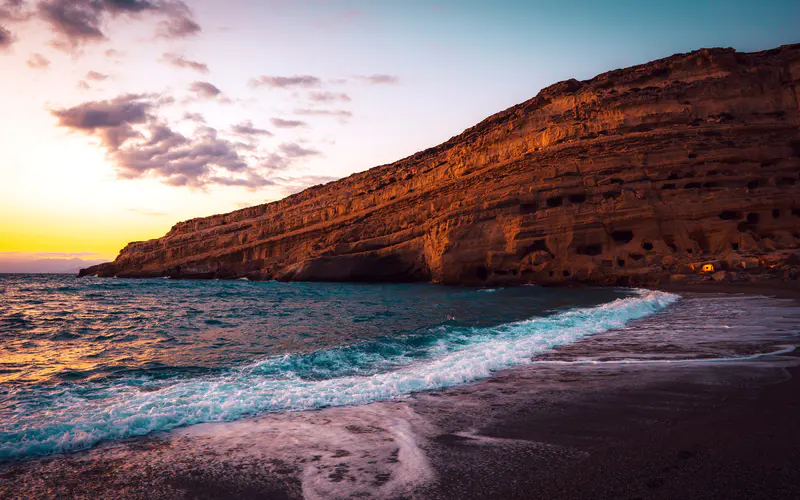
x=570, y=431
x=783, y=286
x=776, y=288
x=683, y=432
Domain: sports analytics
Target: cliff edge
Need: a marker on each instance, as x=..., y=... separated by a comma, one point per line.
x=637, y=176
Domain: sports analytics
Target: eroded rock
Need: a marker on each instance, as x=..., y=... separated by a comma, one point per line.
x=625, y=179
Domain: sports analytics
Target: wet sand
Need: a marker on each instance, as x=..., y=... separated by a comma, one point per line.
x=677, y=422
x=730, y=432
x=773, y=288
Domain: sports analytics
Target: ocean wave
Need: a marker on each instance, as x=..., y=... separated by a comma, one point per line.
x=352, y=375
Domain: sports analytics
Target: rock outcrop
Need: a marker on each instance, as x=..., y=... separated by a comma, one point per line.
x=629, y=178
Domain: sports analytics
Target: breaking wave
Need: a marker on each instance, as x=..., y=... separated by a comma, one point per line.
x=80, y=417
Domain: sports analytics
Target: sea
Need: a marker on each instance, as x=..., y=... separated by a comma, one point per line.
x=85, y=361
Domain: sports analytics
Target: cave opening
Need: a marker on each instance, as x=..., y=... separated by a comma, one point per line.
x=577, y=198
x=622, y=236
x=592, y=249
x=538, y=245
x=730, y=215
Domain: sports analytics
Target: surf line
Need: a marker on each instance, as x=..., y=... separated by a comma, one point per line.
x=732, y=359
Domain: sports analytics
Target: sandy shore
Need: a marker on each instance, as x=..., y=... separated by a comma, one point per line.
x=667, y=425
x=773, y=288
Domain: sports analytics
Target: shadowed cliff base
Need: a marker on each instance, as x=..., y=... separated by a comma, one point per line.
x=678, y=170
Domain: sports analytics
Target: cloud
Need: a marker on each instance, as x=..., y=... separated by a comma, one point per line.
x=285, y=81
x=379, y=79
x=143, y=145
x=194, y=117
x=181, y=62
x=13, y=10
x=118, y=6
x=95, y=76
x=111, y=120
x=294, y=150
x=38, y=61
x=180, y=22
x=6, y=38
x=205, y=90
x=179, y=160
x=76, y=22
x=341, y=113
x=281, y=123
x=247, y=128
x=324, y=96
x=83, y=85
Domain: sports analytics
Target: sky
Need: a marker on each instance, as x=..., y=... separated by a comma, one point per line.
x=122, y=117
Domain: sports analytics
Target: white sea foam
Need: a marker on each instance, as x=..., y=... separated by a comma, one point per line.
x=75, y=422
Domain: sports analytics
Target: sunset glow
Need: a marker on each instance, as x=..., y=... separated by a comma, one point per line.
x=300, y=93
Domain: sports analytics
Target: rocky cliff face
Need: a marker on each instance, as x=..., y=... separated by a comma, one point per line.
x=627, y=178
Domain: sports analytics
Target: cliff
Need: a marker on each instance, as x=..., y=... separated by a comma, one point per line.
x=628, y=178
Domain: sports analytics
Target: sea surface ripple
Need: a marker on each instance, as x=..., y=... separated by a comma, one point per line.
x=88, y=360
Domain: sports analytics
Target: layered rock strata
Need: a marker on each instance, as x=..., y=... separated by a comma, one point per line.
x=628, y=178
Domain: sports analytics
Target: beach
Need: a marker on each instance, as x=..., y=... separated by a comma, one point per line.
x=615, y=415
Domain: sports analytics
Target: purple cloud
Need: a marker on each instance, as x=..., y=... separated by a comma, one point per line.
x=13, y=10
x=180, y=22
x=95, y=76
x=194, y=117
x=111, y=120
x=181, y=62
x=324, y=96
x=285, y=81
x=247, y=128
x=379, y=79
x=294, y=150
x=142, y=145
x=281, y=123
x=6, y=38
x=76, y=22
x=205, y=90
